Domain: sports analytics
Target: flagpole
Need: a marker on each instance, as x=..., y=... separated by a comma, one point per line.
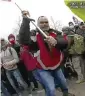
x=33, y=23
x=18, y=6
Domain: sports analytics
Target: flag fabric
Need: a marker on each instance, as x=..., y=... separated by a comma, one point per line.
x=7, y=0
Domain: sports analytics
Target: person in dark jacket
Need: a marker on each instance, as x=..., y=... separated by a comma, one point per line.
x=48, y=54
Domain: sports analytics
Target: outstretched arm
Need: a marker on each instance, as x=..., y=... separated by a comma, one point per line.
x=24, y=32
x=60, y=42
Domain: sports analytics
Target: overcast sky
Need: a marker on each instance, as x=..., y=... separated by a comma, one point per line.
x=9, y=13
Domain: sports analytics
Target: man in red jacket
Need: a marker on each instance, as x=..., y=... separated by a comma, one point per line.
x=48, y=54
x=50, y=57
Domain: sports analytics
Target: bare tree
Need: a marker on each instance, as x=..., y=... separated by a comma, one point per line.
x=17, y=27
x=58, y=25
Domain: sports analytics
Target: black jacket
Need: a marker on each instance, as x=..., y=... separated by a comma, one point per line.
x=24, y=32
x=24, y=37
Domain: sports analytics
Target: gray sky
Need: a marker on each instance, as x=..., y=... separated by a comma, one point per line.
x=9, y=13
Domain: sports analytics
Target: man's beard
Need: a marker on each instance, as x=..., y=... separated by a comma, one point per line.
x=45, y=29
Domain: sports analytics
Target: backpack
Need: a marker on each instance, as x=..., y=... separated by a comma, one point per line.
x=78, y=47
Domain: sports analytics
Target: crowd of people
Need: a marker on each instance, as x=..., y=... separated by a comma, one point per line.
x=50, y=60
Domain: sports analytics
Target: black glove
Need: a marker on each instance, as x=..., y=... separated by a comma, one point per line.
x=26, y=14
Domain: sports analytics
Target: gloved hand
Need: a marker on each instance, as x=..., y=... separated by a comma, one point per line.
x=26, y=14
x=52, y=41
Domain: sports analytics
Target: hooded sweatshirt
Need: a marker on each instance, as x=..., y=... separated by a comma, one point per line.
x=9, y=58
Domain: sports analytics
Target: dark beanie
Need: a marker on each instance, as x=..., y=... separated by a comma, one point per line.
x=11, y=36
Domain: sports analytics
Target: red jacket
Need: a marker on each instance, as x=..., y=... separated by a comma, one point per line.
x=29, y=61
x=48, y=60
x=45, y=59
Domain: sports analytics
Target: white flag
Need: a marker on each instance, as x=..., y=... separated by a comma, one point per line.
x=7, y=0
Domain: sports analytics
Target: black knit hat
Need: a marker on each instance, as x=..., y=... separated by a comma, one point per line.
x=11, y=36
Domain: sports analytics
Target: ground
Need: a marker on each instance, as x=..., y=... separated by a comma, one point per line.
x=77, y=89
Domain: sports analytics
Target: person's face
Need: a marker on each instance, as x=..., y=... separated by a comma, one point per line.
x=43, y=24
x=3, y=45
x=82, y=26
x=71, y=25
x=65, y=31
x=12, y=40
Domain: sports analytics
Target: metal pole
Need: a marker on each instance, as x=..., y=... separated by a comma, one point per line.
x=18, y=6
x=34, y=23
x=39, y=29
